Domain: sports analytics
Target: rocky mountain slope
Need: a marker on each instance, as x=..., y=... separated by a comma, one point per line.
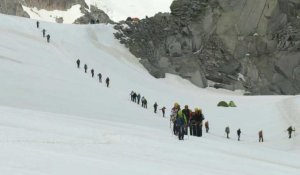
x=88, y=13
x=233, y=44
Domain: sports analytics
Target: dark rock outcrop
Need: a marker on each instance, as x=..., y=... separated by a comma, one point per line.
x=234, y=44
x=95, y=15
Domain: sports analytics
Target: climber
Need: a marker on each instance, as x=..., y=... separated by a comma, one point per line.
x=290, y=130
x=107, y=82
x=44, y=33
x=163, y=109
x=239, y=133
x=187, y=113
x=155, y=107
x=92, y=72
x=100, y=77
x=37, y=24
x=173, y=117
x=198, y=117
x=134, y=95
x=227, y=131
x=85, y=68
x=78, y=63
x=260, y=135
x=206, y=126
x=48, y=38
x=181, y=122
x=138, y=98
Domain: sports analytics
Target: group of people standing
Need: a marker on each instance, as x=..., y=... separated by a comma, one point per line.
x=186, y=120
x=107, y=80
x=43, y=31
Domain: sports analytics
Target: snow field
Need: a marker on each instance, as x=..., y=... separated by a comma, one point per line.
x=55, y=119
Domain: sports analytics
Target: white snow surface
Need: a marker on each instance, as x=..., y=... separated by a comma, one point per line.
x=119, y=10
x=57, y=120
x=68, y=16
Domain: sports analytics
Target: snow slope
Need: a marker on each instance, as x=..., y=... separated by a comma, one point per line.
x=117, y=10
x=57, y=120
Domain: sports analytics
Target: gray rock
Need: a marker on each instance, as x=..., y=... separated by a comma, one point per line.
x=219, y=40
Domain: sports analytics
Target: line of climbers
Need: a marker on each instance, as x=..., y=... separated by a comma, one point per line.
x=290, y=130
x=43, y=31
x=107, y=80
x=136, y=98
x=185, y=120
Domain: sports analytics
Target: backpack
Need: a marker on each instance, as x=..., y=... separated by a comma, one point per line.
x=227, y=130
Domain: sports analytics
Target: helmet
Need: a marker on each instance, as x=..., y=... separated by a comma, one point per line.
x=176, y=104
x=196, y=109
x=186, y=106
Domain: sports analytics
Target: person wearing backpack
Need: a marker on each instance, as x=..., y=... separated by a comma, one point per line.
x=85, y=68
x=107, y=82
x=239, y=133
x=206, y=126
x=181, y=122
x=198, y=117
x=155, y=107
x=78, y=63
x=290, y=130
x=260, y=136
x=92, y=72
x=227, y=131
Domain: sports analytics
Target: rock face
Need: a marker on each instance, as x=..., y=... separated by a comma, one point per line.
x=91, y=14
x=252, y=45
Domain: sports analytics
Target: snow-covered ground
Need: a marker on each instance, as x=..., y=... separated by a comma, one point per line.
x=57, y=120
x=117, y=10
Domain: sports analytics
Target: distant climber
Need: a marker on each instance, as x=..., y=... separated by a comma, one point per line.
x=138, y=98
x=107, y=82
x=134, y=95
x=85, y=68
x=260, y=136
x=48, y=38
x=155, y=107
x=44, y=33
x=78, y=63
x=100, y=77
x=163, y=109
x=37, y=24
x=206, y=126
x=143, y=101
x=92, y=72
x=239, y=133
x=227, y=131
x=290, y=130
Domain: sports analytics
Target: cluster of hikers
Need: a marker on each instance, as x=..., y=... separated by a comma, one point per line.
x=107, y=80
x=136, y=98
x=188, y=122
x=44, y=32
x=186, y=119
